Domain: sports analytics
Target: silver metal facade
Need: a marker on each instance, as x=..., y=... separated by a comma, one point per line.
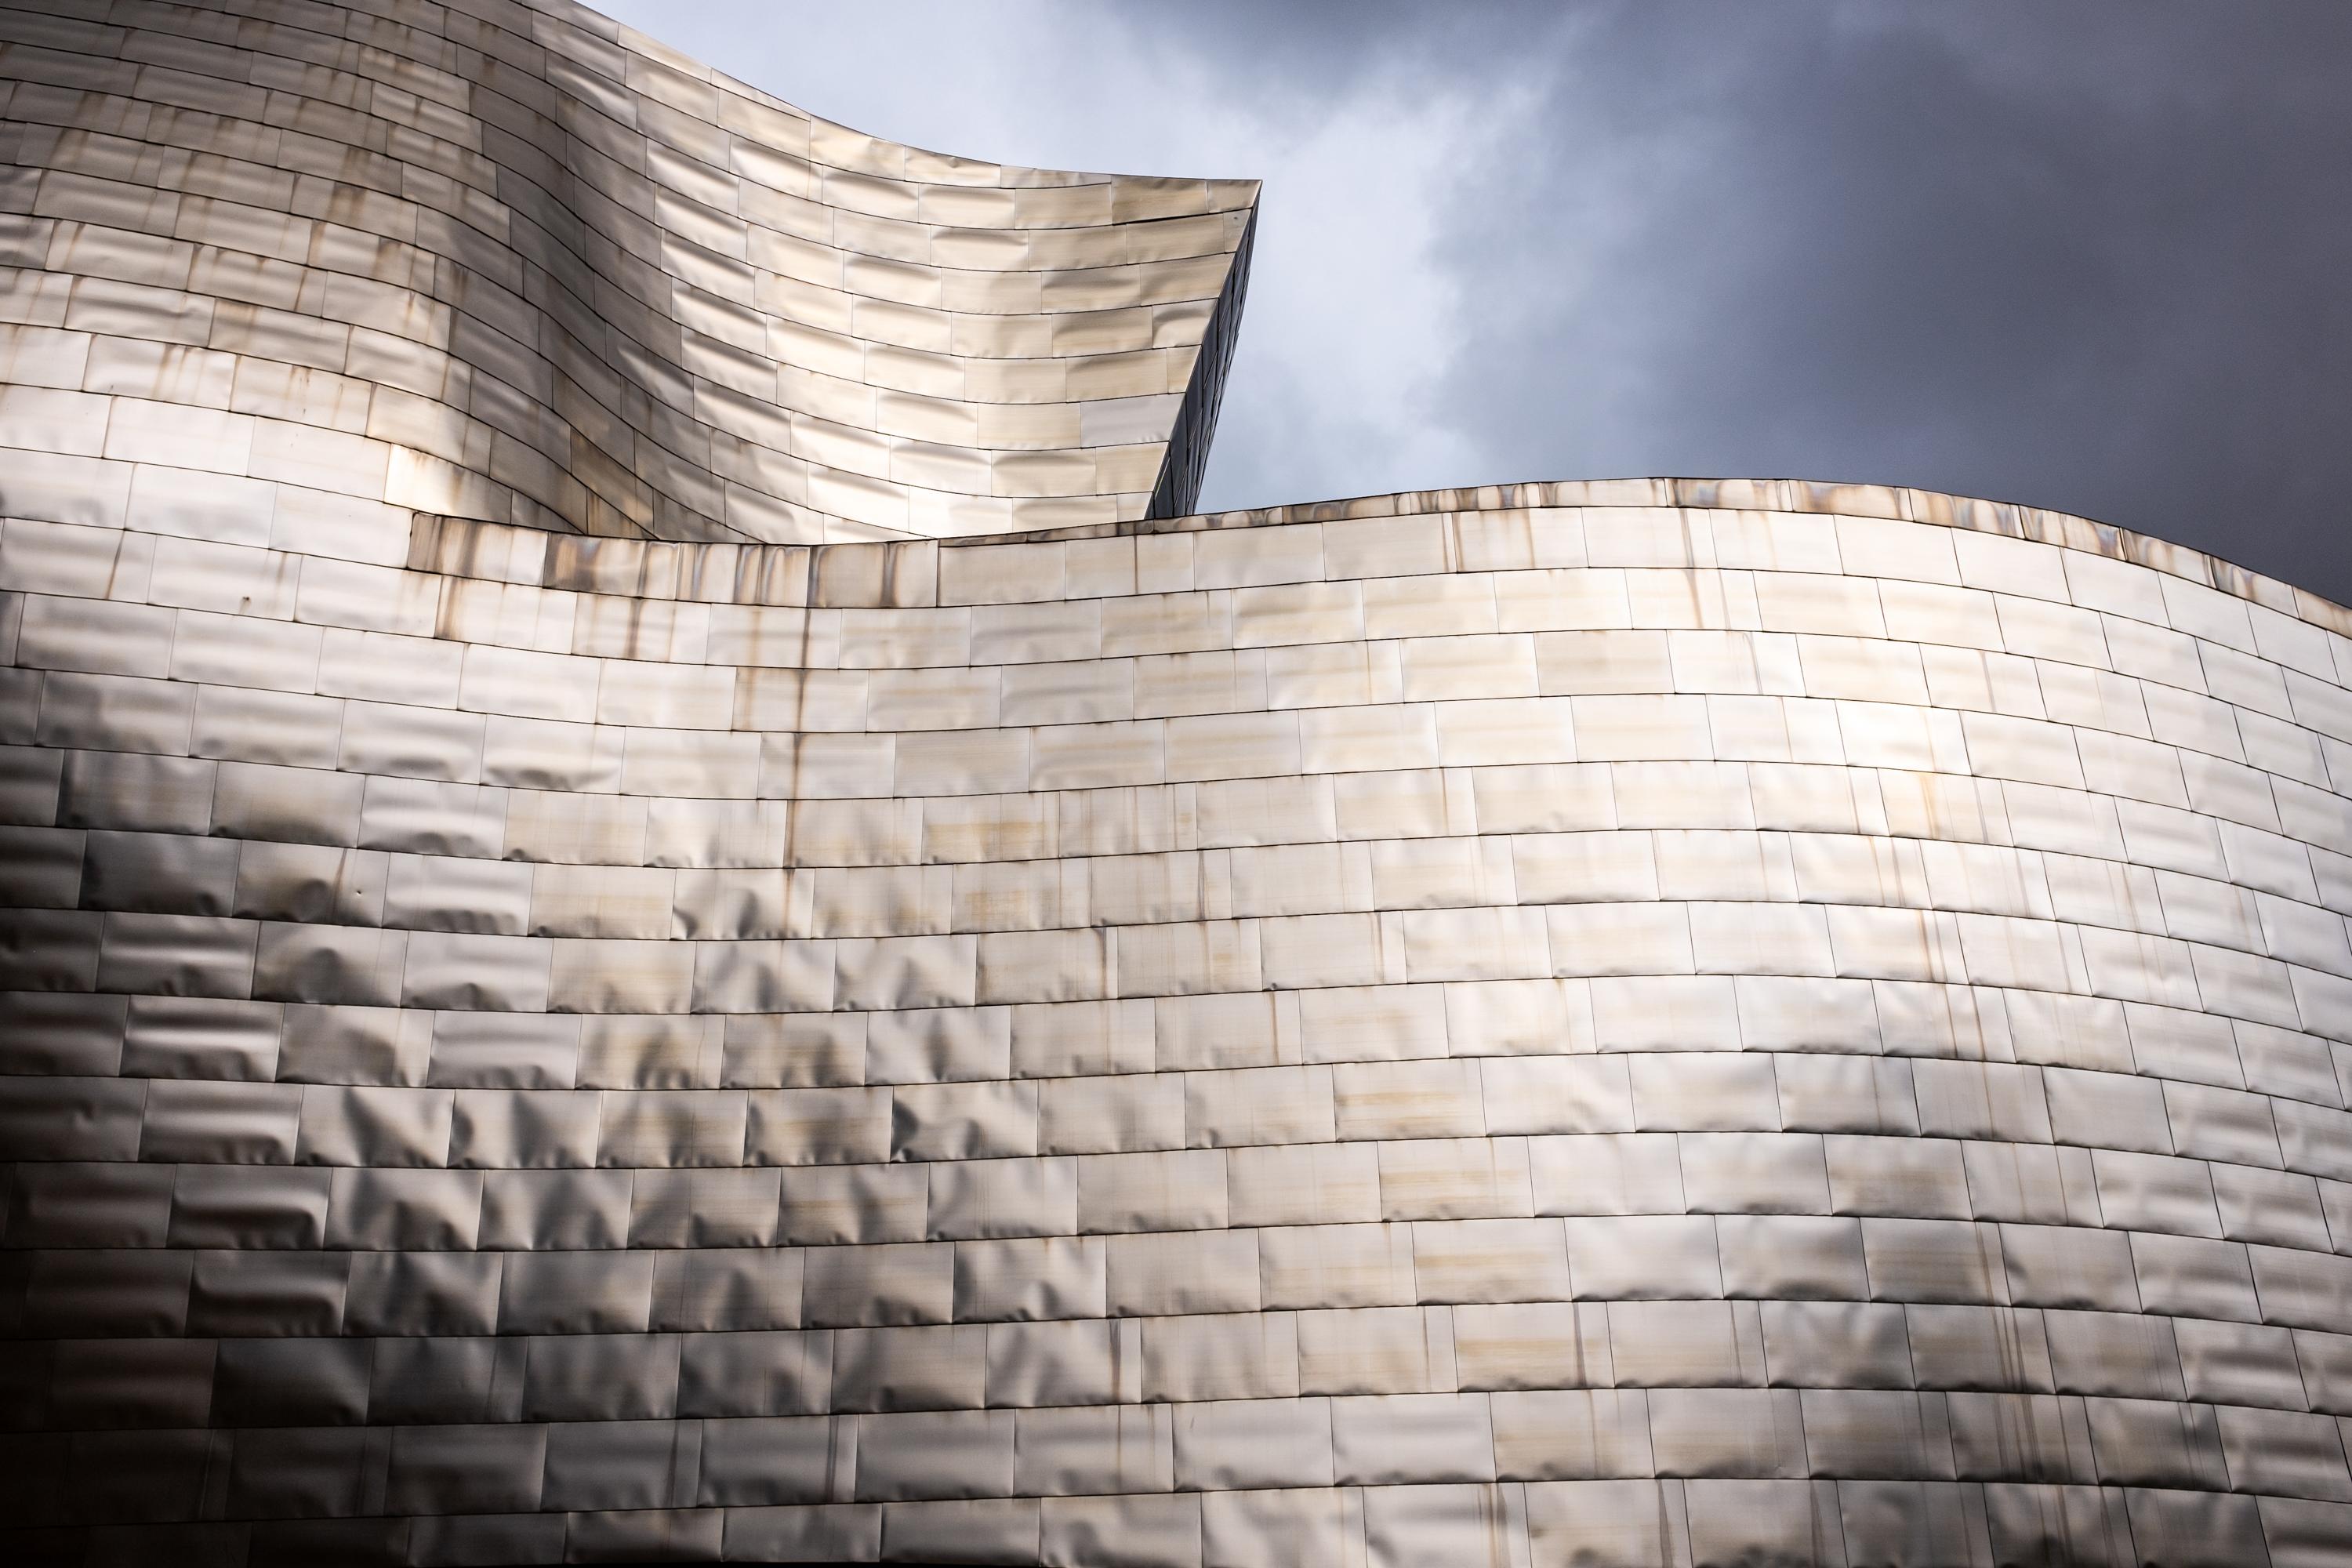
x=518, y=264
x=1650, y=1022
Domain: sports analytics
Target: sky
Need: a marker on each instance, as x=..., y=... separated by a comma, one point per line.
x=2095, y=256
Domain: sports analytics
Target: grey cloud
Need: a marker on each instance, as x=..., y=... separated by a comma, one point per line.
x=2090, y=257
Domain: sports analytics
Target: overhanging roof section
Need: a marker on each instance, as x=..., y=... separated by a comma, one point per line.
x=585, y=283
x=874, y=340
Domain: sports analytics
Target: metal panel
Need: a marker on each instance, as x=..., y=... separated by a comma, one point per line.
x=574, y=989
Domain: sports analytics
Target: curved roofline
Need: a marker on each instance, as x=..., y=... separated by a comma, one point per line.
x=651, y=569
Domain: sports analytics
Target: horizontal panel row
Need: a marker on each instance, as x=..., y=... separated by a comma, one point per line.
x=782, y=264
x=1265, y=635
x=1828, y=1434
x=226, y=1039
x=1619, y=1523
x=301, y=728
x=1770, y=1100
x=782, y=750
x=304, y=731
x=1559, y=629
x=123, y=791
x=1567, y=832
x=736, y=189
x=190, y=1037
x=387, y=449
x=1497, y=530
x=173, y=1031
x=106, y=155
x=813, y=1166
x=927, y=318
x=1395, y=537
x=1634, y=956
x=2262, y=901
x=1707, y=616
x=1569, y=977
x=1480, y=527
x=1242, y=1275
x=1458, y=1354
x=90, y=380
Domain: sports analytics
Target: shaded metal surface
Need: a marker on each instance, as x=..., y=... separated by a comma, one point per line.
x=1659, y=1021
x=1187, y=461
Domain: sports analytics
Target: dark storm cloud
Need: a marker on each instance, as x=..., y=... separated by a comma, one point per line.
x=2091, y=257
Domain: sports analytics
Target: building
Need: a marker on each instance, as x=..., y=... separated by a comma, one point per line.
x=661, y=903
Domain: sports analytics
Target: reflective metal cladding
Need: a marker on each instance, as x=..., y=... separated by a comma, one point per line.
x=586, y=977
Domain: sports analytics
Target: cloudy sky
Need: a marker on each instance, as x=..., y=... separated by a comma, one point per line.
x=2094, y=256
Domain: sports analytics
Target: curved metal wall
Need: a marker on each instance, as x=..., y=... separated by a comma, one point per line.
x=1365, y=1035
x=514, y=262
x=1652, y=1022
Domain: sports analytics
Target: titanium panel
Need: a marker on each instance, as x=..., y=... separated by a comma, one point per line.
x=655, y=903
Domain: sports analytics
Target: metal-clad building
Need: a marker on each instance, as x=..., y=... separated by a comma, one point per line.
x=658, y=904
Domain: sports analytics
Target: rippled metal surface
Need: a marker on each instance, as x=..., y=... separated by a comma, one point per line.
x=1653, y=1023
x=517, y=263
